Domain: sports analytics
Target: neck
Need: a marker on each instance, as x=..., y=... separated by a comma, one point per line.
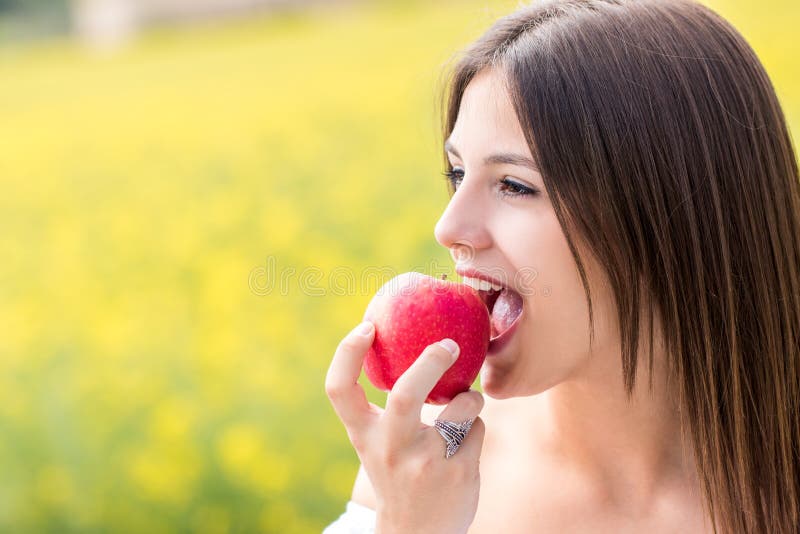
x=622, y=443
x=629, y=451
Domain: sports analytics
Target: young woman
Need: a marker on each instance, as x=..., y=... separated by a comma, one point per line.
x=633, y=153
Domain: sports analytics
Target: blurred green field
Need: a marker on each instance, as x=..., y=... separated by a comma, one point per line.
x=149, y=381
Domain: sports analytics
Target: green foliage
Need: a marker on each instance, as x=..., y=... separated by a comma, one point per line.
x=32, y=5
x=146, y=383
x=26, y=20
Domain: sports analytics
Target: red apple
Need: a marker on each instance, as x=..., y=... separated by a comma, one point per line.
x=413, y=310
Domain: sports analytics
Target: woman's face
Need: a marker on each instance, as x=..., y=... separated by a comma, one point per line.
x=494, y=225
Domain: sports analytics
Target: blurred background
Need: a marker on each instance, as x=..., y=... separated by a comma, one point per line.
x=192, y=193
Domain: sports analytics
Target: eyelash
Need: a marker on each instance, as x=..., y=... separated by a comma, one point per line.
x=512, y=189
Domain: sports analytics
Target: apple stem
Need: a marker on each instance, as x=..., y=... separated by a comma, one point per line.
x=444, y=277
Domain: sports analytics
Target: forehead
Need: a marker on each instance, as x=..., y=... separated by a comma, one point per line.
x=486, y=118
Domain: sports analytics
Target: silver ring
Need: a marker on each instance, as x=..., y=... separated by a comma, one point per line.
x=453, y=433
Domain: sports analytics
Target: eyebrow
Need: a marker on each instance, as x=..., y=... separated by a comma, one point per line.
x=503, y=158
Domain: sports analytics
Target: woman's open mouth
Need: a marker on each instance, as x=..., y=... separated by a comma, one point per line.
x=505, y=307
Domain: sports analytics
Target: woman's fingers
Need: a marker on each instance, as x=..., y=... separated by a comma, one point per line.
x=341, y=382
x=463, y=406
x=404, y=403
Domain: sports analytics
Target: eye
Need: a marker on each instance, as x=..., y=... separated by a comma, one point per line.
x=510, y=188
x=453, y=177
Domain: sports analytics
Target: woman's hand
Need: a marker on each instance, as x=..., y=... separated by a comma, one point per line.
x=416, y=488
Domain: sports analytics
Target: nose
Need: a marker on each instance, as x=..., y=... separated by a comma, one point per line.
x=462, y=226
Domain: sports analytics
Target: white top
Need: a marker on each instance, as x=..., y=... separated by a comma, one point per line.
x=357, y=519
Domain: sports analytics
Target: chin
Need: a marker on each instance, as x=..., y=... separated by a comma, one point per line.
x=496, y=387
x=497, y=391
x=498, y=395
x=501, y=385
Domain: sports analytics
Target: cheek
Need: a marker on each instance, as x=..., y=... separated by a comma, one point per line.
x=557, y=323
x=558, y=332
x=540, y=254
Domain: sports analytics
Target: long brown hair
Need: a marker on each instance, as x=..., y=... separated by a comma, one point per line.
x=662, y=144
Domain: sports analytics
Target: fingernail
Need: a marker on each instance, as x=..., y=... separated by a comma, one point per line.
x=451, y=346
x=365, y=328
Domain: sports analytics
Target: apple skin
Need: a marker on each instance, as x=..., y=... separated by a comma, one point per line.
x=413, y=310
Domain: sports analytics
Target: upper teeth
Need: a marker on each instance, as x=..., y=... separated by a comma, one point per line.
x=482, y=285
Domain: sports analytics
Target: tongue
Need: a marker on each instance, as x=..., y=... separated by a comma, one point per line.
x=506, y=309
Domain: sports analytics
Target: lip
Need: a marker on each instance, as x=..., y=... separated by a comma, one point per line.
x=498, y=343
x=474, y=273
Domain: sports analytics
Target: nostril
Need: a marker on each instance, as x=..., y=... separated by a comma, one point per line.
x=462, y=252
